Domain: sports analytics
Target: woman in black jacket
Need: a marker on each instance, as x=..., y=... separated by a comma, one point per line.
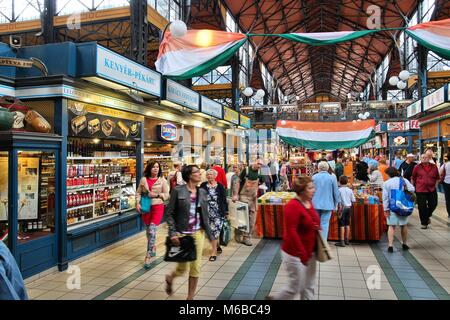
x=217, y=208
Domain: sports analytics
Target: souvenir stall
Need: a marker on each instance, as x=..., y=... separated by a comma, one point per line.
x=367, y=218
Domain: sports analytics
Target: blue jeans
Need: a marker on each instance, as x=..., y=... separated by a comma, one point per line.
x=325, y=216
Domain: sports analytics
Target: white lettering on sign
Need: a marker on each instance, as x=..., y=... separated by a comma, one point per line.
x=434, y=99
x=211, y=107
x=116, y=68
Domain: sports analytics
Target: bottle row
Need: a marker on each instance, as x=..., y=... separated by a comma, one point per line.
x=83, y=149
x=75, y=170
x=32, y=226
x=79, y=215
x=112, y=206
x=93, y=180
x=79, y=199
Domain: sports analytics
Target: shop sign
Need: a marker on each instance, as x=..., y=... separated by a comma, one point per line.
x=399, y=140
x=434, y=99
x=24, y=63
x=414, y=109
x=116, y=68
x=245, y=121
x=91, y=121
x=181, y=95
x=396, y=126
x=414, y=125
x=378, y=143
x=230, y=115
x=167, y=132
x=211, y=107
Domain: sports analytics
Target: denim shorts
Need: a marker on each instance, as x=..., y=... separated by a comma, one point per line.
x=344, y=221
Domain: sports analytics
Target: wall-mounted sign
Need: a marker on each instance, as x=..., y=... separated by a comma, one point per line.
x=434, y=99
x=245, y=121
x=230, y=115
x=181, y=95
x=396, y=126
x=414, y=124
x=167, y=132
x=399, y=140
x=212, y=108
x=116, y=68
x=24, y=63
x=91, y=121
x=414, y=108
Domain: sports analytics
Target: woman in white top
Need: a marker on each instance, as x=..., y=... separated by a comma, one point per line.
x=375, y=176
x=394, y=219
x=444, y=172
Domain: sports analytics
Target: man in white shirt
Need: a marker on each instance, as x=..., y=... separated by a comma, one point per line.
x=274, y=173
x=345, y=208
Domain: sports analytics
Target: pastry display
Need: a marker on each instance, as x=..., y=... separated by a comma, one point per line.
x=77, y=108
x=107, y=127
x=78, y=124
x=123, y=129
x=93, y=126
x=38, y=122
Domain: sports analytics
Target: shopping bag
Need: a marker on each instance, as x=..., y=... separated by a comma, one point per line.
x=401, y=202
x=146, y=203
x=238, y=215
x=225, y=233
x=323, y=253
x=185, y=252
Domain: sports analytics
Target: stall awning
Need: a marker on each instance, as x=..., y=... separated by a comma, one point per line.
x=325, y=135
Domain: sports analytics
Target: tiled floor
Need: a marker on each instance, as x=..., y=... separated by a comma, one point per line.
x=359, y=271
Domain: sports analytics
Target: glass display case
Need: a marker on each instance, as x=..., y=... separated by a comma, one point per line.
x=4, y=196
x=101, y=180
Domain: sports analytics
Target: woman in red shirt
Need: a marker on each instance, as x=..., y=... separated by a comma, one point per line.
x=301, y=223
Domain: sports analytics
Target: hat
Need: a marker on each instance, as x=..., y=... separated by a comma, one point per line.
x=410, y=155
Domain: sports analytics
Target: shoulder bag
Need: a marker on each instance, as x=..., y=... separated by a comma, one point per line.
x=185, y=252
x=401, y=200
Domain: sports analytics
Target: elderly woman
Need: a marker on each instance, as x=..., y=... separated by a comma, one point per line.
x=375, y=176
x=326, y=198
x=394, y=219
x=217, y=207
x=301, y=223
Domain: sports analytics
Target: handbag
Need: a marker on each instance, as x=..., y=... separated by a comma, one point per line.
x=185, y=252
x=146, y=203
x=323, y=253
x=225, y=233
x=401, y=201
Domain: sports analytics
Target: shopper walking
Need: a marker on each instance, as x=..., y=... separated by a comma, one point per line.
x=347, y=198
x=274, y=168
x=12, y=286
x=361, y=169
x=246, y=191
x=326, y=197
x=301, y=223
x=392, y=218
x=425, y=178
x=444, y=173
x=175, y=178
x=154, y=186
x=203, y=172
x=221, y=176
x=187, y=214
x=217, y=209
x=382, y=166
x=339, y=168
x=233, y=179
x=407, y=167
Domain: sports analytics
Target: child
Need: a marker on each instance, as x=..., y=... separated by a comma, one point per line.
x=345, y=206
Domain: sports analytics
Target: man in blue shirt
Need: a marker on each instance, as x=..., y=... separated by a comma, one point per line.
x=326, y=197
x=11, y=282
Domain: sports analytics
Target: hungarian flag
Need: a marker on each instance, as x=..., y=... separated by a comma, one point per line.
x=326, y=38
x=434, y=35
x=326, y=135
x=196, y=53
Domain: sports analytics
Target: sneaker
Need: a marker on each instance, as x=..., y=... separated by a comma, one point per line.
x=347, y=243
x=340, y=244
x=405, y=247
x=424, y=227
x=390, y=249
x=247, y=242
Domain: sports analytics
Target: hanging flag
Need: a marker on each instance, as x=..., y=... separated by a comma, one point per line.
x=325, y=135
x=434, y=35
x=196, y=53
x=326, y=38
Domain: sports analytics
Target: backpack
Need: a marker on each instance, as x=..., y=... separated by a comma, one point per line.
x=173, y=181
x=401, y=201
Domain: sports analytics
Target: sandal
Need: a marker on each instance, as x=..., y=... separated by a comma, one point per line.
x=219, y=250
x=147, y=262
x=212, y=258
x=169, y=290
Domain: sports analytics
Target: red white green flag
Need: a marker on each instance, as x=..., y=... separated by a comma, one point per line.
x=196, y=53
x=326, y=135
x=434, y=35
